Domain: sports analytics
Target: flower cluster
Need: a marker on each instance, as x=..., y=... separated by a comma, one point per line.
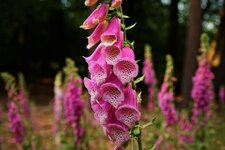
x=58, y=99
x=15, y=120
x=150, y=79
x=73, y=104
x=202, y=90
x=222, y=95
x=14, y=116
x=166, y=95
x=112, y=66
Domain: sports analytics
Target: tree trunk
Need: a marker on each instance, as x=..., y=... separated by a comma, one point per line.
x=192, y=46
x=173, y=38
x=220, y=70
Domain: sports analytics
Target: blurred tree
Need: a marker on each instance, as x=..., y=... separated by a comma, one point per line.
x=192, y=46
x=173, y=37
x=220, y=48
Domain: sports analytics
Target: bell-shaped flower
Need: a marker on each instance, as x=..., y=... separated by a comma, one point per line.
x=92, y=88
x=90, y=3
x=113, y=53
x=103, y=111
x=128, y=112
x=95, y=36
x=117, y=133
x=95, y=55
x=112, y=91
x=99, y=70
x=99, y=113
x=126, y=68
x=110, y=36
x=116, y=3
x=96, y=17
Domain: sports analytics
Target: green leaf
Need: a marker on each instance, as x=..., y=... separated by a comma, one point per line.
x=131, y=26
x=148, y=123
x=139, y=99
x=153, y=147
x=139, y=79
x=125, y=16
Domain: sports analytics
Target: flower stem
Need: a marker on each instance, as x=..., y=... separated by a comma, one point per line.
x=139, y=142
x=123, y=24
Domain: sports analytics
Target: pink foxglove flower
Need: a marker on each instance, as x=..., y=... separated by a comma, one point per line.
x=111, y=68
x=150, y=79
x=90, y=2
x=96, y=17
x=73, y=106
x=202, y=90
x=110, y=36
x=14, y=116
x=128, y=112
x=114, y=52
x=116, y=3
x=222, y=95
x=126, y=67
x=166, y=96
x=95, y=36
x=15, y=121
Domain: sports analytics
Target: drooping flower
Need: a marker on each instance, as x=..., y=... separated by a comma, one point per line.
x=166, y=95
x=95, y=36
x=150, y=79
x=110, y=36
x=96, y=17
x=202, y=90
x=126, y=67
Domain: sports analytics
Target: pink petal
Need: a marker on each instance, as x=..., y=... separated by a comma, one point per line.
x=92, y=89
x=117, y=133
x=128, y=52
x=113, y=53
x=128, y=112
x=99, y=113
x=125, y=69
x=112, y=94
x=95, y=55
x=128, y=115
x=96, y=17
x=98, y=72
x=110, y=36
x=95, y=36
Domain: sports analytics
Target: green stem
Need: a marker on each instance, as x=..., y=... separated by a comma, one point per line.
x=139, y=142
x=123, y=23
